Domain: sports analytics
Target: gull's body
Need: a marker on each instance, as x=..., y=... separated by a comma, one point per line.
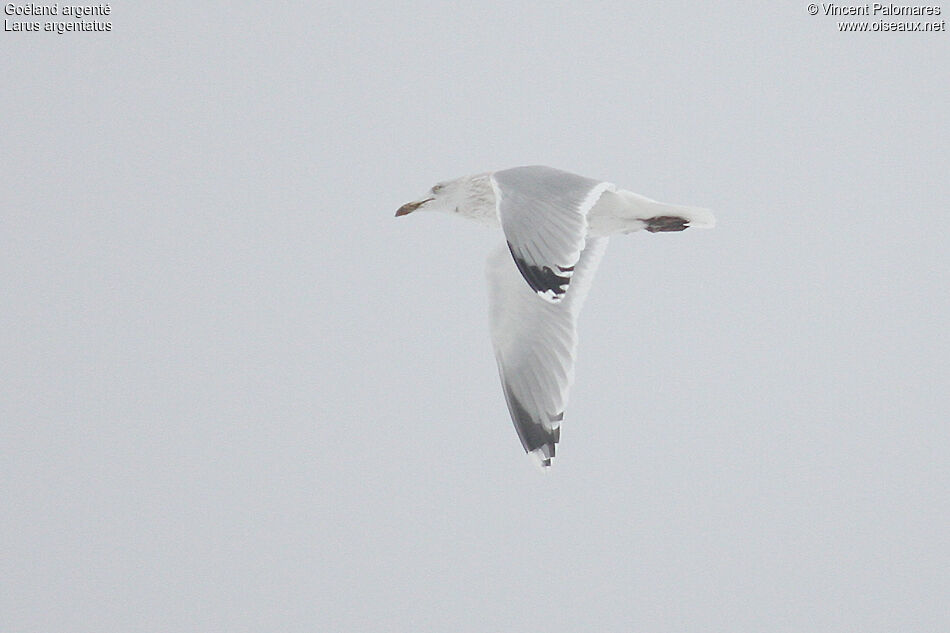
x=555, y=225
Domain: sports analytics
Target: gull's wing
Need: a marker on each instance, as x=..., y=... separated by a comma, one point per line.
x=535, y=342
x=543, y=212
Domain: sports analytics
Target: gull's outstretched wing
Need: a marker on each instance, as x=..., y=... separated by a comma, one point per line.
x=535, y=343
x=543, y=212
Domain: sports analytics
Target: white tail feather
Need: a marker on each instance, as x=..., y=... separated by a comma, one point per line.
x=643, y=208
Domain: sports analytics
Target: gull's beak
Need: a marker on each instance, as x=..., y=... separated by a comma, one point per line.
x=409, y=207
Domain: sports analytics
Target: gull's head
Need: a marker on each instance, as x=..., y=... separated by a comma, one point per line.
x=445, y=196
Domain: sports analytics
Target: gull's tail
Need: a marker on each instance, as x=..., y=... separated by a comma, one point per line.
x=658, y=216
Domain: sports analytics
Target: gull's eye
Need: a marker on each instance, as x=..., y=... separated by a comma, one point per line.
x=437, y=188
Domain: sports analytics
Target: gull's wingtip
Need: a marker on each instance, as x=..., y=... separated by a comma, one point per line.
x=543, y=456
x=679, y=218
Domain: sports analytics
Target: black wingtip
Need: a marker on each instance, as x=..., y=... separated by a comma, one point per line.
x=541, y=278
x=536, y=439
x=665, y=223
x=544, y=455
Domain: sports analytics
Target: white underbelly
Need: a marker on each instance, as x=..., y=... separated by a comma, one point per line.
x=611, y=215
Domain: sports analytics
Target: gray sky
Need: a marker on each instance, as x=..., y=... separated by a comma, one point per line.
x=236, y=394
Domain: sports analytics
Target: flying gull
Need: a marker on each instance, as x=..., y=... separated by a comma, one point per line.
x=556, y=225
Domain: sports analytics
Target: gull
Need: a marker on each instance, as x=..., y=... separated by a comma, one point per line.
x=555, y=226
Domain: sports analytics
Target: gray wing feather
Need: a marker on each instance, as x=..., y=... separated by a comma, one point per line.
x=543, y=214
x=535, y=343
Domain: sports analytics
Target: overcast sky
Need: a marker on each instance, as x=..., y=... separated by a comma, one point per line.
x=236, y=394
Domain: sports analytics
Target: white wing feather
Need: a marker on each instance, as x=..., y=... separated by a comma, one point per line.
x=535, y=343
x=543, y=213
